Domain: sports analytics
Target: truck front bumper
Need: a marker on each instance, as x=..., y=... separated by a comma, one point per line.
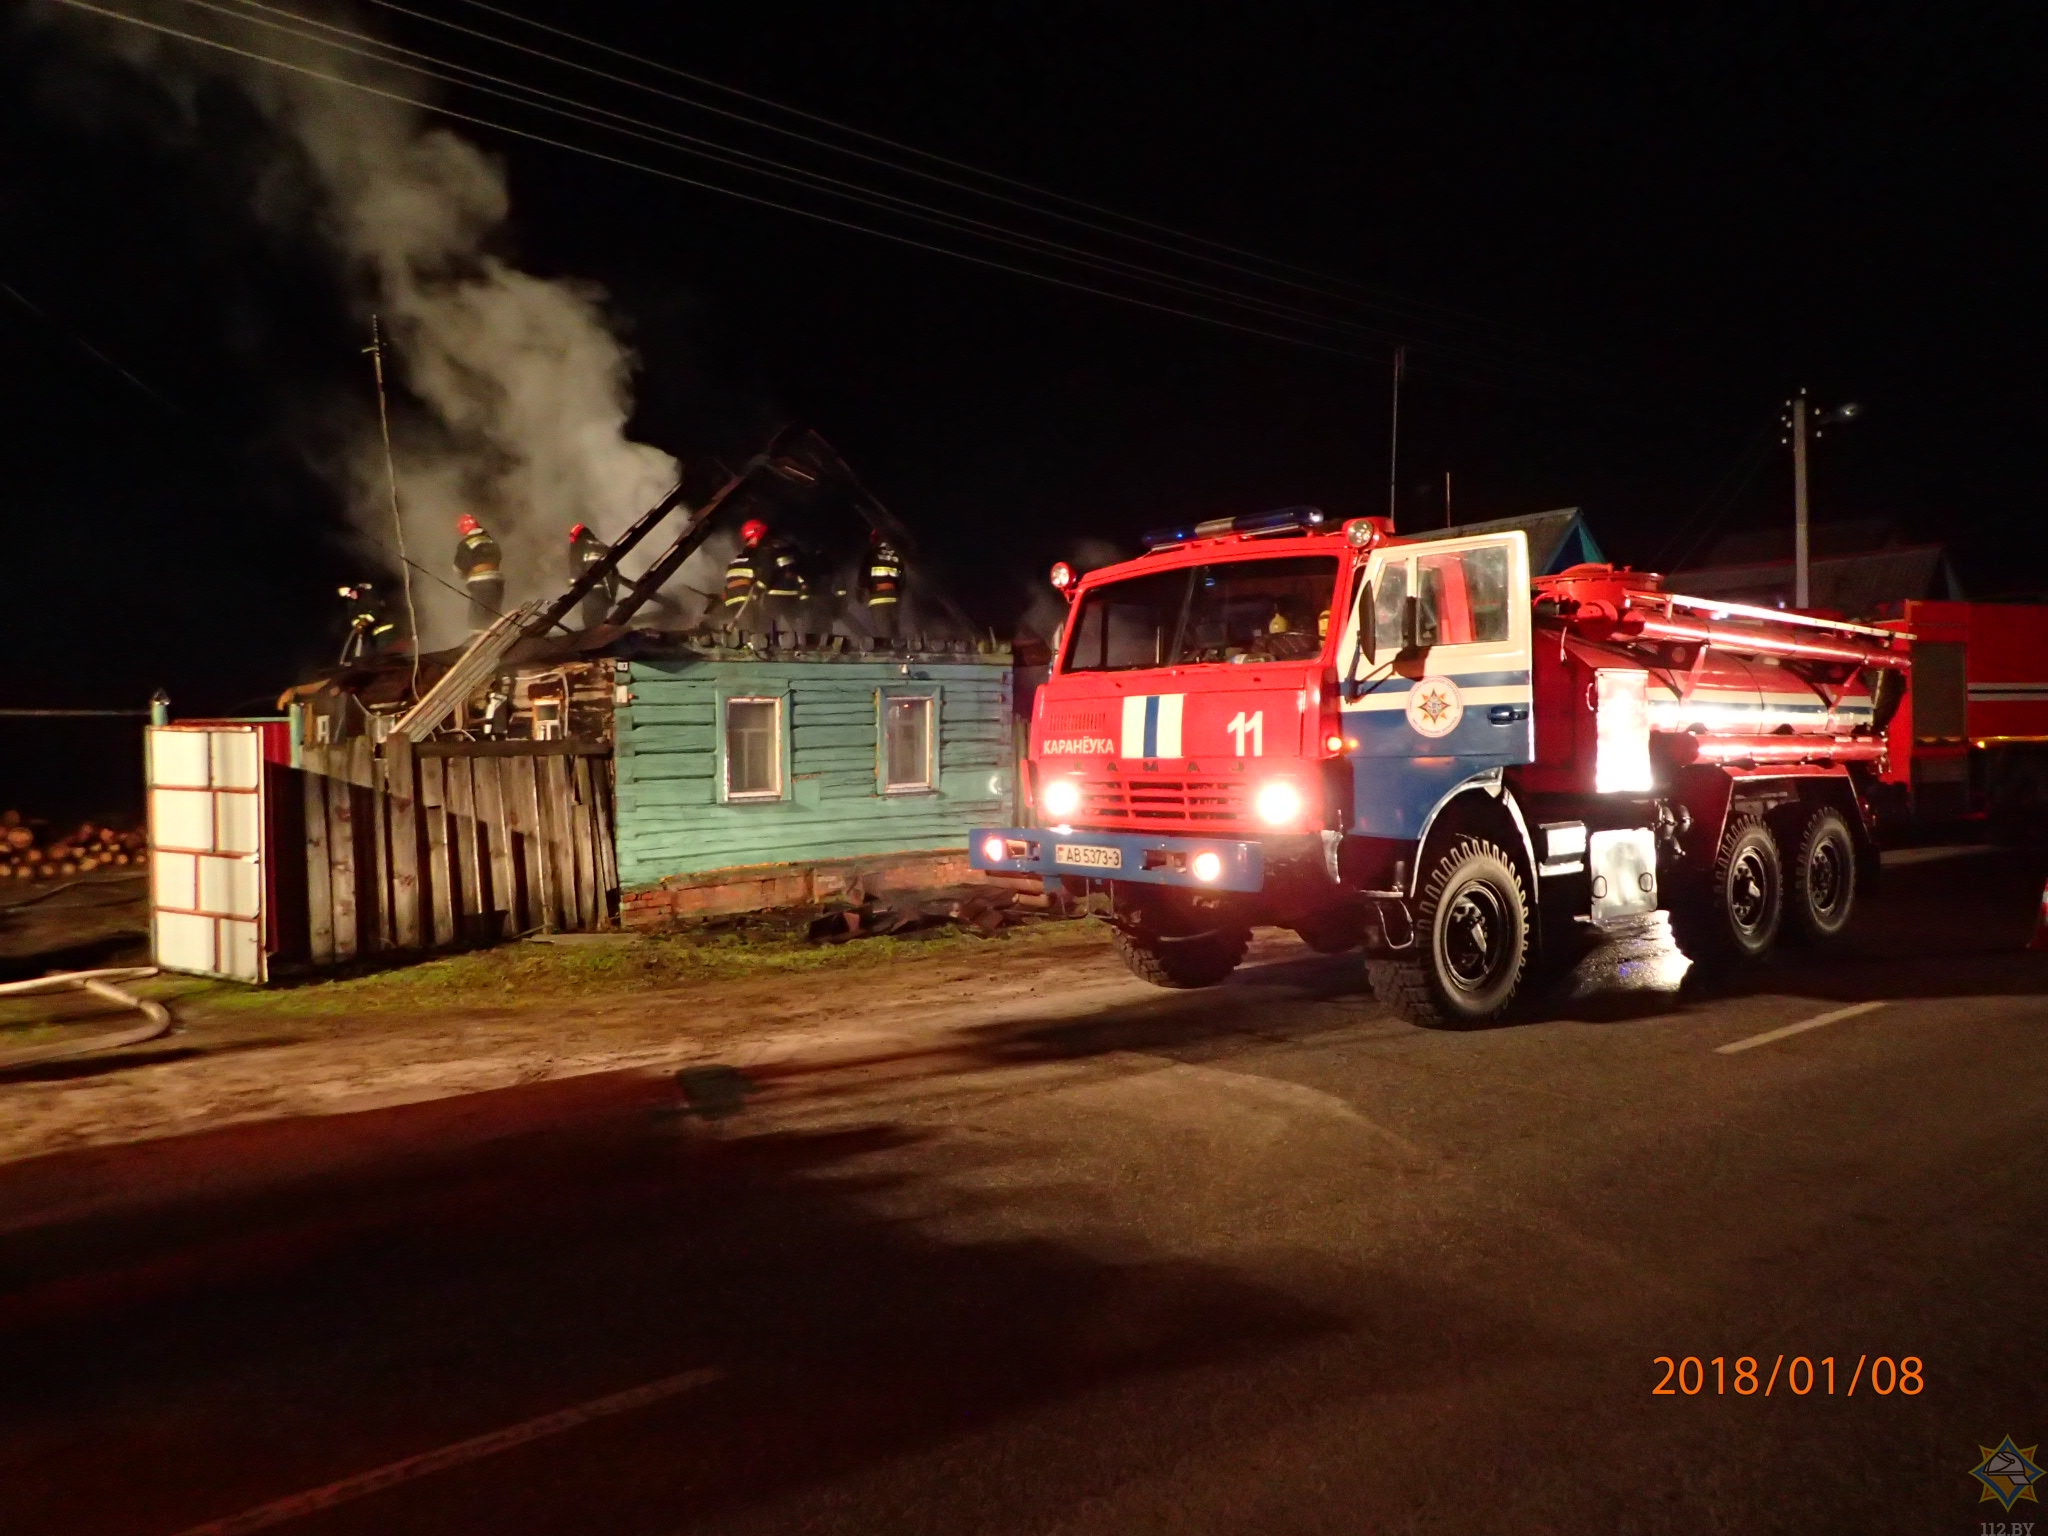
x=1145, y=857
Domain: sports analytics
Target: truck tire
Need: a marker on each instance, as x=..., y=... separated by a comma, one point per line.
x=1471, y=942
x=1199, y=960
x=1736, y=915
x=1821, y=883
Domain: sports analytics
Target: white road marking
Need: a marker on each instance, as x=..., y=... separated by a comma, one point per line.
x=1800, y=1028
x=396, y=1472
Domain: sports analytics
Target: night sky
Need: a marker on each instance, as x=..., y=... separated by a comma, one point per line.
x=1613, y=247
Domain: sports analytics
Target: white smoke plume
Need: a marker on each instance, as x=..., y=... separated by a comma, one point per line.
x=519, y=389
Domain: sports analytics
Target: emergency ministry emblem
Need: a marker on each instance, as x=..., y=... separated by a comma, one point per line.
x=1434, y=706
x=2008, y=1473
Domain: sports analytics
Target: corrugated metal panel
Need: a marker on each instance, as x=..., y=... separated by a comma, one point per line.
x=672, y=819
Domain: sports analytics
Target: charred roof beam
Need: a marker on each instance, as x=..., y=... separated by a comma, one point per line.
x=687, y=542
x=600, y=570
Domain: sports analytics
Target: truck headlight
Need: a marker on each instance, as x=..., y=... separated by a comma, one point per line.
x=1060, y=799
x=1278, y=803
x=1206, y=866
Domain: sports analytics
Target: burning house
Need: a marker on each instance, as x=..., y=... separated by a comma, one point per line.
x=629, y=772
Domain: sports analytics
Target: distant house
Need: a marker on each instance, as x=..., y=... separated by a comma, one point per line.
x=1858, y=569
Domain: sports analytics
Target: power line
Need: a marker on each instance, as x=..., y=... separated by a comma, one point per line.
x=774, y=203
x=85, y=346
x=832, y=186
x=1359, y=293
x=837, y=187
x=692, y=181
x=775, y=169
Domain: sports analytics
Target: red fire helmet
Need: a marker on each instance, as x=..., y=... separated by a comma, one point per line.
x=752, y=532
x=467, y=524
x=577, y=532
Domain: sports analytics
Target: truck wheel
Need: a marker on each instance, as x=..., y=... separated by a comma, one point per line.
x=1199, y=960
x=1471, y=942
x=1822, y=877
x=1736, y=916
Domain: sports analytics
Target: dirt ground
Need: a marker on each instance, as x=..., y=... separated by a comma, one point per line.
x=532, y=1012
x=98, y=919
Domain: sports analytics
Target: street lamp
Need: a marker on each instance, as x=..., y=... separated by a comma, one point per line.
x=1840, y=415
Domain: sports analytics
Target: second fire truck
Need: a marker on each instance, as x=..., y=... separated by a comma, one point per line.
x=1410, y=746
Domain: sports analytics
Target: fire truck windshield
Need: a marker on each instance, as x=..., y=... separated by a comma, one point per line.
x=1273, y=609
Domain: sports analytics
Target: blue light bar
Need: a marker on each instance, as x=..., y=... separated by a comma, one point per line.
x=1283, y=520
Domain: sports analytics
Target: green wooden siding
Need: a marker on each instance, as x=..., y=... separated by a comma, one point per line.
x=672, y=815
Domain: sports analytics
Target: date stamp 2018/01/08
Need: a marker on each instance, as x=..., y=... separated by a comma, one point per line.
x=1745, y=1376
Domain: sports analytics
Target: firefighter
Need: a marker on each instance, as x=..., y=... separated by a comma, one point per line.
x=368, y=630
x=883, y=589
x=482, y=569
x=585, y=550
x=785, y=586
x=743, y=575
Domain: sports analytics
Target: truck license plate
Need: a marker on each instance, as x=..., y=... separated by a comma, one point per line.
x=1088, y=855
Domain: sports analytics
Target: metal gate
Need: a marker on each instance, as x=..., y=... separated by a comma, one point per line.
x=206, y=821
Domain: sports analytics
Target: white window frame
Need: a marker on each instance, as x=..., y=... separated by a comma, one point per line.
x=929, y=784
x=778, y=757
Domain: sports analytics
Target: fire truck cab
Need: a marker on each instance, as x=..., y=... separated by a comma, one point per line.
x=1413, y=747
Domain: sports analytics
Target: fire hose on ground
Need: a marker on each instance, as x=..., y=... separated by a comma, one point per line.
x=101, y=984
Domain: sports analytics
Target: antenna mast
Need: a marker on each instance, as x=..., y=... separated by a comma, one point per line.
x=412, y=618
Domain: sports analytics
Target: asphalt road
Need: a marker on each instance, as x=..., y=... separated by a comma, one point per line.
x=1253, y=1260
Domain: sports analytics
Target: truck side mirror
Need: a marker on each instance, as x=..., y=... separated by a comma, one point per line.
x=1411, y=623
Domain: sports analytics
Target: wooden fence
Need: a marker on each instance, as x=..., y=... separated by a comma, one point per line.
x=444, y=843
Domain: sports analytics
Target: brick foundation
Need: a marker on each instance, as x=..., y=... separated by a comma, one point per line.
x=754, y=887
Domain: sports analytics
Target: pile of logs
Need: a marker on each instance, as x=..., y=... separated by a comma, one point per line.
x=31, y=850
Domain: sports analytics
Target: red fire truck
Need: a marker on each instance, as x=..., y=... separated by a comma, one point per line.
x=1411, y=746
x=1972, y=740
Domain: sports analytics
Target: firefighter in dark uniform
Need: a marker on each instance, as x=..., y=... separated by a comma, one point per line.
x=585, y=550
x=368, y=630
x=743, y=576
x=785, y=585
x=883, y=589
x=482, y=568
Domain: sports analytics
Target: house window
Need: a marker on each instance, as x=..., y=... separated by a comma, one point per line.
x=906, y=744
x=753, y=749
